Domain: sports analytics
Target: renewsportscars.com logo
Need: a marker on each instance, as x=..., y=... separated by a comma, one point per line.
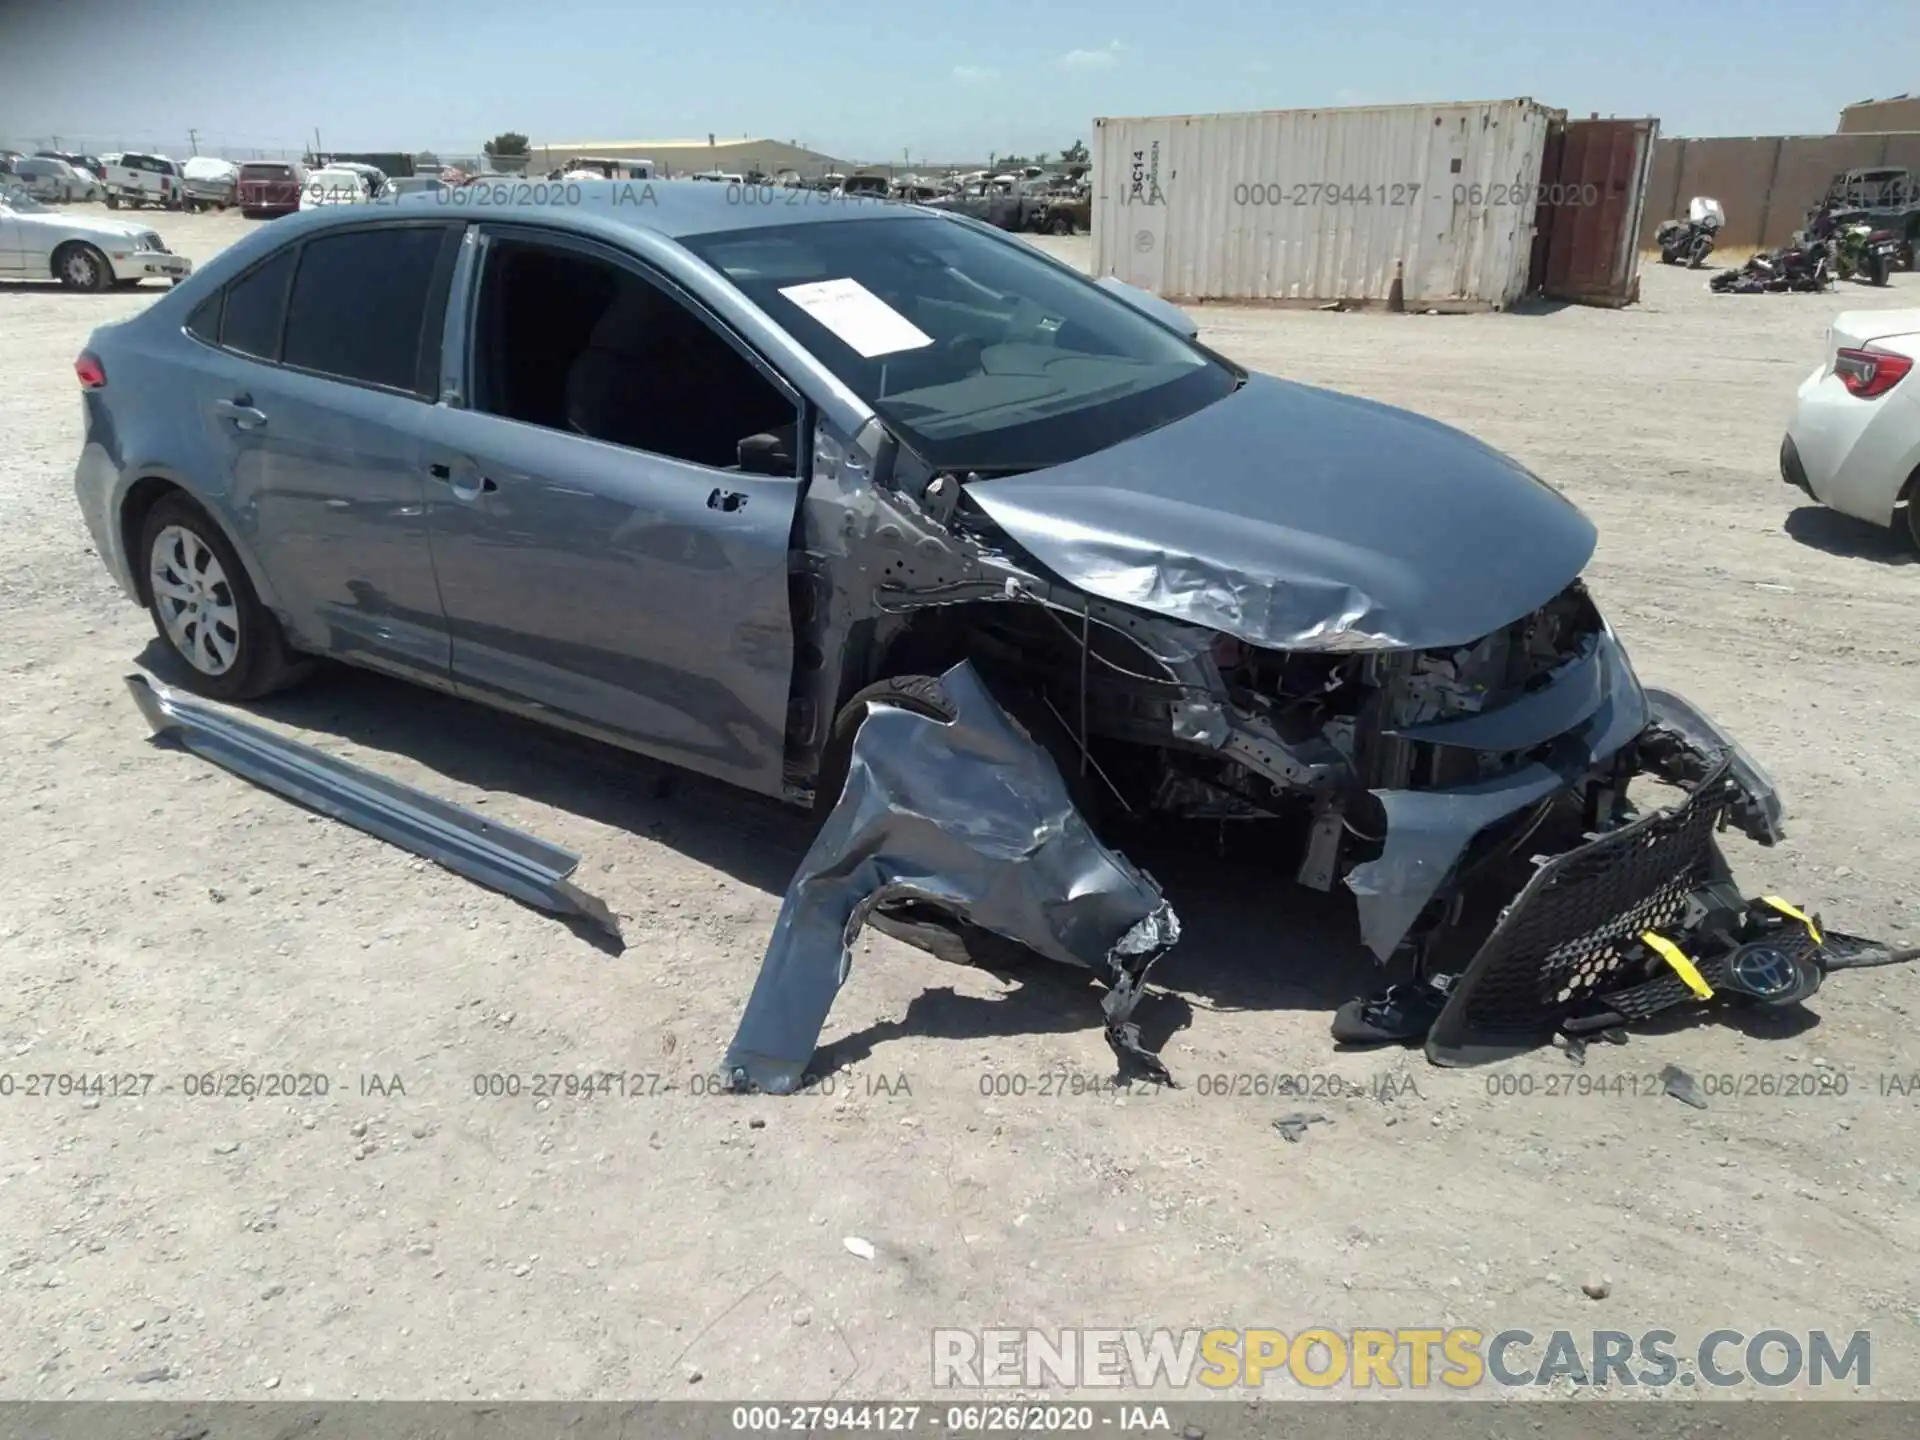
x=1453, y=1359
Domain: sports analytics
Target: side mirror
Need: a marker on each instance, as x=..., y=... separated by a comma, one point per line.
x=765, y=454
x=1151, y=306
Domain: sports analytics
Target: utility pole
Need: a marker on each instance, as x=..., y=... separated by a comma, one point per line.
x=317, y=151
x=193, y=140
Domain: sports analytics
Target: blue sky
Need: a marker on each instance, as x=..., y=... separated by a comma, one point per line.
x=867, y=80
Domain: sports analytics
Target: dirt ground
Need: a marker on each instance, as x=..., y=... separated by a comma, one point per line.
x=403, y=1236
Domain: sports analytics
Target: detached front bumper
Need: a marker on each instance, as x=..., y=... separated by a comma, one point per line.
x=1574, y=932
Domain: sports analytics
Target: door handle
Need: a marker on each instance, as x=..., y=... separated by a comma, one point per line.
x=240, y=410
x=481, y=485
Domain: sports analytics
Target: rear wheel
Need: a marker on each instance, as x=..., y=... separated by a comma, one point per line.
x=1879, y=268
x=113, y=201
x=205, y=610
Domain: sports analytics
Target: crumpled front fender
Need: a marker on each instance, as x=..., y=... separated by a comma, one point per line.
x=969, y=816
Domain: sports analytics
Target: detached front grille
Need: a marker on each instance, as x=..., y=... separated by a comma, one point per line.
x=1565, y=937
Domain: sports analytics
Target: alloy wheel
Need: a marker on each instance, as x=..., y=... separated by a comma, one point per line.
x=195, y=600
x=81, y=270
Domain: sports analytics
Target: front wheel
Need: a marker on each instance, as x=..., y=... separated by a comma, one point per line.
x=81, y=267
x=920, y=694
x=205, y=610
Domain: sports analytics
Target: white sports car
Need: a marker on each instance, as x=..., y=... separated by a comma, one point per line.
x=1853, y=443
x=82, y=252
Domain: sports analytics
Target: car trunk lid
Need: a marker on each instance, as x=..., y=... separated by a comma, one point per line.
x=1856, y=329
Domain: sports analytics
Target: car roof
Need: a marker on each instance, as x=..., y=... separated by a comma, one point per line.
x=671, y=208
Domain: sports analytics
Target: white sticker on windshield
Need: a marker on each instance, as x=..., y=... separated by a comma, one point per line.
x=858, y=316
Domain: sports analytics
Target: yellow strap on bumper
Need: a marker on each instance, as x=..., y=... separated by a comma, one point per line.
x=1682, y=966
x=1793, y=913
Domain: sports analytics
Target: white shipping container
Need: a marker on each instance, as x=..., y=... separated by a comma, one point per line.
x=1322, y=205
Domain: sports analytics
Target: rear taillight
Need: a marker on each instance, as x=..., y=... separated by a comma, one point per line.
x=1869, y=372
x=93, y=375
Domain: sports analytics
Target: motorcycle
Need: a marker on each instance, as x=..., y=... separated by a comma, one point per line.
x=1864, y=251
x=1691, y=240
x=1807, y=266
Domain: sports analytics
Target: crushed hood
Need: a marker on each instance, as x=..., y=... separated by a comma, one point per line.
x=1297, y=518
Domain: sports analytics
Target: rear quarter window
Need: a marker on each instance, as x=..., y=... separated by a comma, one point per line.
x=256, y=308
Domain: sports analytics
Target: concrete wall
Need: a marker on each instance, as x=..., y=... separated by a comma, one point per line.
x=1766, y=183
x=1873, y=116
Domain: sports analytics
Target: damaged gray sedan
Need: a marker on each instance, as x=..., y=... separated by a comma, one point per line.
x=718, y=482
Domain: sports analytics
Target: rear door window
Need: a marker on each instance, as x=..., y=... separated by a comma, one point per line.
x=256, y=308
x=367, y=304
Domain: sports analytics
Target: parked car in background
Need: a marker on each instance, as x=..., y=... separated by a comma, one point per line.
x=875, y=186
x=91, y=164
x=376, y=178
x=604, y=168
x=1063, y=212
x=994, y=201
x=53, y=180
x=82, y=252
x=418, y=184
x=134, y=178
x=211, y=184
x=270, y=187
x=336, y=187
x=1853, y=443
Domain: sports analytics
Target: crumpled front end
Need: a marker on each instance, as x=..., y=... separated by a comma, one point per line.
x=1414, y=768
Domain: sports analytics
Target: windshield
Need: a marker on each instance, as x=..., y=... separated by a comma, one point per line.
x=13, y=198
x=980, y=353
x=266, y=172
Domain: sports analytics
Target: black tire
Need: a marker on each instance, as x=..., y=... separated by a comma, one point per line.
x=1060, y=225
x=263, y=661
x=113, y=201
x=920, y=694
x=1912, y=513
x=80, y=266
x=1879, y=269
